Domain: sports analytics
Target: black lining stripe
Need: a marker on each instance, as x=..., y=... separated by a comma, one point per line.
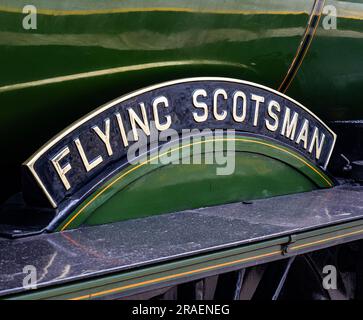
x=304, y=44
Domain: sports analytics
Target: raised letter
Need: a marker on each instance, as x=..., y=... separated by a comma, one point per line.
x=88, y=165
x=62, y=170
x=158, y=125
x=134, y=118
x=219, y=116
x=196, y=93
x=273, y=104
x=303, y=134
x=315, y=141
x=258, y=99
x=122, y=129
x=289, y=126
x=105, y=137
x=241, y=118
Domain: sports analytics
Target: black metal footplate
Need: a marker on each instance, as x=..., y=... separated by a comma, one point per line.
x=132, y=256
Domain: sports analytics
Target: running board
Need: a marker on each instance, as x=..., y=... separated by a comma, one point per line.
x=129, y=257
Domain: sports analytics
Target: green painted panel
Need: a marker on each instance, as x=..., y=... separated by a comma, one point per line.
x=261, y=169
x=85, y=54
x=334, y=64
x=180, y=187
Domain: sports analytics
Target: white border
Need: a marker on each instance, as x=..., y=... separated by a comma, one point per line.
x=31, y=161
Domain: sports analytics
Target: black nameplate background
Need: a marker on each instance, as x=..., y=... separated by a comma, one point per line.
x=181, y=108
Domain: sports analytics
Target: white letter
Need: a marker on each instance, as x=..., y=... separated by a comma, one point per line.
x=134, y=118
x=303, y=135
x=158, y=125
x=273, y=115
x=239, y=94
x=289, y=125
x=62, y=170
x=196, y=93
x=105, y=137
x=219, y=116
x=122, y=129
x=88, y=165
x=258, y=99
x=315, y=141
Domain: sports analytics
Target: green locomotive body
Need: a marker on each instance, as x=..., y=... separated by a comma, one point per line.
x=86, y=83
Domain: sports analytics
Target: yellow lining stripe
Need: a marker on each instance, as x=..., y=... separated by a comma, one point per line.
x=284, y=85
x=173, y=276
x=184, y=146
x=32, y=160
x=109, y=71
x=325, y=240
x=151, y=9
x=347, y=14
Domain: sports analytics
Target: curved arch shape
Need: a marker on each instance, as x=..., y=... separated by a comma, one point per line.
x=266, y=150
x=38, y=165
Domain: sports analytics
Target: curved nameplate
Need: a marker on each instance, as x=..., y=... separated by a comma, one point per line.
x=92, y=148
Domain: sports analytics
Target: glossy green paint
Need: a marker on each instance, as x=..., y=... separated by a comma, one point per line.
x=330, y=78
x=83, y=55
x=262, y=169
x=148, y=46
x=179, y=187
